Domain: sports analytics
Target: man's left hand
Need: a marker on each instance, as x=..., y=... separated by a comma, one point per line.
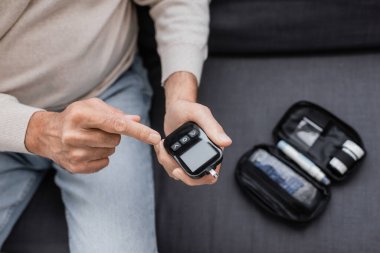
x=181, y=107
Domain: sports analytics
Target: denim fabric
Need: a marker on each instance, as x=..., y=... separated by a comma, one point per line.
x=109, y=211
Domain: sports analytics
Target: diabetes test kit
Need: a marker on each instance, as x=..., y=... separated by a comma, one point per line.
x=193, y=150
x=291, y=179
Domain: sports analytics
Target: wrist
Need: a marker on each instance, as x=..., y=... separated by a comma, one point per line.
x=181, y=86
x=36, y=132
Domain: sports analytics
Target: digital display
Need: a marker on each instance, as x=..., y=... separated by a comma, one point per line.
x=198, y=155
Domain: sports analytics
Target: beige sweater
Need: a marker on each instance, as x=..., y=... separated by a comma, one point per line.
x=55, y=52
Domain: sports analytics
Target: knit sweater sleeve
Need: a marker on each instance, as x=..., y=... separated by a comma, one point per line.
x=14, y=119
x=182, y=28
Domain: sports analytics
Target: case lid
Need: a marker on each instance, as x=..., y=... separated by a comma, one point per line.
x=320, y=136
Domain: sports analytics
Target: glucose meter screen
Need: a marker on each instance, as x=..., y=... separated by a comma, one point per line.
x=198, y=155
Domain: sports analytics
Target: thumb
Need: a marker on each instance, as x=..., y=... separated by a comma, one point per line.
x=204, y=118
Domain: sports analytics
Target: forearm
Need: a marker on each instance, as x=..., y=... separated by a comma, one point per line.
x=181, y=85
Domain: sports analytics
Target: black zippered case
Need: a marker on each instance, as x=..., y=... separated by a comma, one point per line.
x=278, y=184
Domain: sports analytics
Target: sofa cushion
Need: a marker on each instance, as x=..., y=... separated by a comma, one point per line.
x=257, y=26
x=42, y=227
x=248, y=97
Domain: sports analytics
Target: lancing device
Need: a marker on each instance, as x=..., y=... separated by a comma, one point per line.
x=304, y=162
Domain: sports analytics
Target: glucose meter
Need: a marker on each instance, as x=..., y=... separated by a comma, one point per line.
x=193, y=150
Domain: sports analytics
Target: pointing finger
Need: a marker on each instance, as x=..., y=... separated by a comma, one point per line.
x=121, y=125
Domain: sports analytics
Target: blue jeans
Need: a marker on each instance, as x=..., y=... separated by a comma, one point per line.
x=109, y=211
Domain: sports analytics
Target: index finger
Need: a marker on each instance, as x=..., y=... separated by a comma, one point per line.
x=123, y=125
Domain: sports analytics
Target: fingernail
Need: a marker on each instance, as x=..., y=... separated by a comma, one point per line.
x=154, y=138
x=133, y=117
x=223, y=137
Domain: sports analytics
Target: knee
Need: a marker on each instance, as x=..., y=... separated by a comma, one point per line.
x=127, y=242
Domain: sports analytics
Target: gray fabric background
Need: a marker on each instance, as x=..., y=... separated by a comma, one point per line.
x=257, y=26
x=248, y=96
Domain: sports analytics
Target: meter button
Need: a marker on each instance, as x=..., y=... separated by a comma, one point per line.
x=175, y=146
x=185, y=139
x=193, y=133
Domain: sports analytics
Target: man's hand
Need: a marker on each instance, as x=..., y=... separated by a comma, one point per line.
x=181, y=107
x=84, y=135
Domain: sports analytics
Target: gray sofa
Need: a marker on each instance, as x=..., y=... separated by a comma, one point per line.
x=264, y=56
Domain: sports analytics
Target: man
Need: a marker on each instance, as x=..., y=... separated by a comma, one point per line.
x=73, y=92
